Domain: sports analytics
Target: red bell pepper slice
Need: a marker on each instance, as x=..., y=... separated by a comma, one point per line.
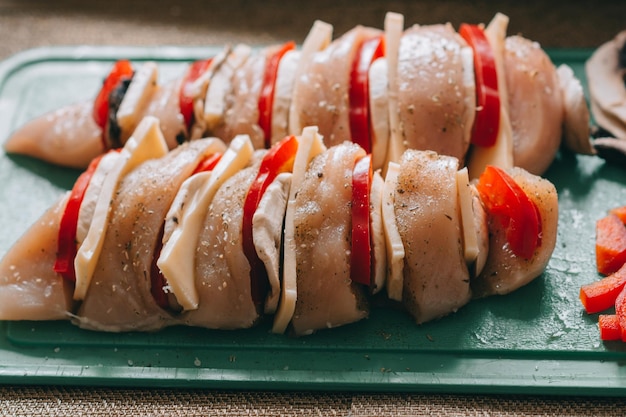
x=185, y=97
x=121, y=70
x=358, y=91
x=610, y=244
x=609, y=327
x=619, y=212
x=601, y=295
x=620, y=312
x=506, y=200
x=487, y=122
x=266, y=98
x=208, y=163
x=360, y=255
x=68, y=225
x=279, y=158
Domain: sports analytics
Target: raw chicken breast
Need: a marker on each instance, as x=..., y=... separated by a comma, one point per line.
x=535, y=104
x=326, y=296
x=68, y=136
x=242, y=102
x=222, y=269
x=29, y=287
x=436, y=278
x=436, y=90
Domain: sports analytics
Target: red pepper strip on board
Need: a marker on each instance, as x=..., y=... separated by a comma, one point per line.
x=609, y=327
x=610, y=244
x=601, y=295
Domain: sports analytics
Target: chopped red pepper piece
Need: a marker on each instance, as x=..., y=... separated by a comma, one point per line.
x=610, y=244
x=620, y=312
x=609, y=327
x=601, y=295
x=619, y=212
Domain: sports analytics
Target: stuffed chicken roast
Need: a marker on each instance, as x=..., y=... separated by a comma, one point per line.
x=223, y=236
x=475, y=94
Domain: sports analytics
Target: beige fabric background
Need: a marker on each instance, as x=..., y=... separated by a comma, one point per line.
x=39, y=23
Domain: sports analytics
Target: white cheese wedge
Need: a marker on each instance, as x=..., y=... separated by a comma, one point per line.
x=394, y=26
x=188, y=189
x=147, y=142
x=379, y=111
x=319, y=38
x=140, y=91
x=88, y=205
x=470, y=235
x=469, y=84
x=220, y=86
x=379, y=248
x=177, y=258
x=198, y=90
x=285, y=78
x=310, y=144
x=501, y=153
x=395, y=247
x=267, y=233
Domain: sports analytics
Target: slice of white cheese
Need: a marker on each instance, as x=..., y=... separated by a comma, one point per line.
x=147, y=142
x=267, y=233
x=319, y=38
x=379, y=249
x=177, y=258
x=283, y=89
x=501, y=153
x=220, y=86
x=310, y=144
x=88, y=205
x=470, y=238
x=395, y=247
x=394, y=26
x=198, y=90
x=379, y=111
x=140, y=91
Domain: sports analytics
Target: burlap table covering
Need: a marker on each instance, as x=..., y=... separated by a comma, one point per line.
x=39, y=23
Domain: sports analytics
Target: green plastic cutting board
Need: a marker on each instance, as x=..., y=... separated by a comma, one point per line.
x=537, y=340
